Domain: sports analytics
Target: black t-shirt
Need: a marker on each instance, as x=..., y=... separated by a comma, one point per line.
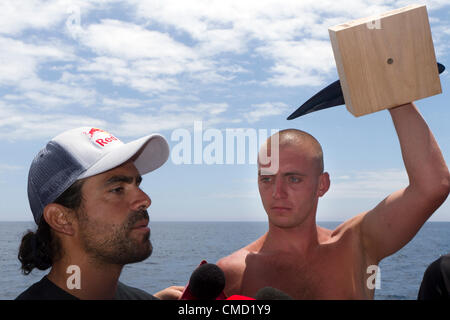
x=436, y=280
x=47, y=290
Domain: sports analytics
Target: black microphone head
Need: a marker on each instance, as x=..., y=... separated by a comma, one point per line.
x=207, y=282
x=269, y=293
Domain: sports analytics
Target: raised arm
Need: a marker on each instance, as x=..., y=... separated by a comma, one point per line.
x=394, y=222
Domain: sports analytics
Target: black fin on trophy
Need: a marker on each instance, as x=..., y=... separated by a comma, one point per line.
x=329, y=97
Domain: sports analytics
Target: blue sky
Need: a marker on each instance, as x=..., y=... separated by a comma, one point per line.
x=137, y=67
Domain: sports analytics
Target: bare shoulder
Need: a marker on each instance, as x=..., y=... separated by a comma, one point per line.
x=351, y=226
x=349, y=236
x=234, y=266
x=234, y=261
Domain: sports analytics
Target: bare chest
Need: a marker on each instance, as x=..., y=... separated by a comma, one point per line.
x=325, y=276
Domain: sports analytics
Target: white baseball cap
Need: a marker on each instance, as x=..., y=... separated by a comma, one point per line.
x=84, y=152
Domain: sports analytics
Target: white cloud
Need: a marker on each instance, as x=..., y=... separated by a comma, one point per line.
x=121, y=103
x=259, y=111
x=367, y=184
x=292, y=33
x=146, y=60
x=240, y=21
x=17, y=16
x=20, y=60
x=25, y=124
x=130, y=42
x=199, y=109
x=170, y=52
x=299, y=63
x=431, y=4
x=441, y=34
x=20, y=66
x=139, y=125
x=173, y=116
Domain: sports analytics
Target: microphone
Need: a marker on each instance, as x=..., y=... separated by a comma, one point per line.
x=206, y=283
x=269, y=293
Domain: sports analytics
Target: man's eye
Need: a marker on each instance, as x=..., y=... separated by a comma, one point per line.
x=116, y=190
x=265, y=179
x=294, y=179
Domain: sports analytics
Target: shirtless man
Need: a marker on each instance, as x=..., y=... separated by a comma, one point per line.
x=307, y=261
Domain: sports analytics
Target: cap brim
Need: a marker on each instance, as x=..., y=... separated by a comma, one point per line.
x=148, y=153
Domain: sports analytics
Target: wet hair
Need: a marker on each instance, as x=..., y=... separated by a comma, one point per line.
x=39, y=249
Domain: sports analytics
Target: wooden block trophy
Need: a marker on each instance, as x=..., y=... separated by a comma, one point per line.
x=383, y=61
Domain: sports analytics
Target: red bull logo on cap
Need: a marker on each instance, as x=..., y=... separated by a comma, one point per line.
x=94, y=130
x=100, y=137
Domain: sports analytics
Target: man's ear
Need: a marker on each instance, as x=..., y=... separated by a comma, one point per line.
x=324, y=184
x=59, y=218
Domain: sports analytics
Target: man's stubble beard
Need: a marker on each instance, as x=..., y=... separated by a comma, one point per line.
x=111, y=244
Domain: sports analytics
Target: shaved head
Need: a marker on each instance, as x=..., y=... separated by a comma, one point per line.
x=299, y=140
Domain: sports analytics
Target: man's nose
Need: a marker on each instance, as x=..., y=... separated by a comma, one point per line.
x=279, y=191
x=141, y=201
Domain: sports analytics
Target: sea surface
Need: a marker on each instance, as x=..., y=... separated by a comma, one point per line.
x=178, y=248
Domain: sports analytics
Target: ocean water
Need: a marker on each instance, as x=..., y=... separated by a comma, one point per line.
x=178, y=247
